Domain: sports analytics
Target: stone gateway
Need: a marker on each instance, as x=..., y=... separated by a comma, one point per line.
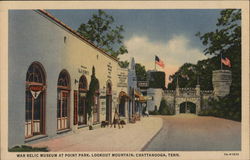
x=193, y=100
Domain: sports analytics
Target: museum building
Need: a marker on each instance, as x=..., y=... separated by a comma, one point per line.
x=50, y=69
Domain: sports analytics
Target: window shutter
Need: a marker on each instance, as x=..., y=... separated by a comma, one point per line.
x=75, y=107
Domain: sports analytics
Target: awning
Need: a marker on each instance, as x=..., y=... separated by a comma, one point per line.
x=123, y=94
x=140, y=97
x=137, y=94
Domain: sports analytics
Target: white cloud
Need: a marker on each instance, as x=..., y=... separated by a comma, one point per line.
x=174, y=52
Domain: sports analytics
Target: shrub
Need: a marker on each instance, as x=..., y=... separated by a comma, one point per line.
x=165, y=109
x=24, y=148
x=155, y=112
x=227, y=107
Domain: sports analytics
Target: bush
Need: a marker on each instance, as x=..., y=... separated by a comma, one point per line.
x=165, y=109
x=227, y=107
x=24, y=148
x=155, y=112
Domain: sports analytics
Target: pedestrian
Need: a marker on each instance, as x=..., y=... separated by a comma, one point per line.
x=146, y=113
x=116, y=119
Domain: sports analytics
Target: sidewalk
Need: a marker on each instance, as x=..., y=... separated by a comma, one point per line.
x=133, y=137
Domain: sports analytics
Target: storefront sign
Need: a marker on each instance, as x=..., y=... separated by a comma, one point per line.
x=102, y=93
x=122, y=80
x=103, y=106
x=109, y=71
x=83, y=70
x=82, y=94
x=142, y=84
x=36, y=88
x=35, y=91
x=35, y=94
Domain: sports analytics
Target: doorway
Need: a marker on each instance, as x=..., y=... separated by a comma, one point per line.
x=35, y=100
x=63, y=104
x=187, y=107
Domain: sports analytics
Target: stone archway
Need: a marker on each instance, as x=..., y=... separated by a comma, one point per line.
x=188, y=107
x=182, y=103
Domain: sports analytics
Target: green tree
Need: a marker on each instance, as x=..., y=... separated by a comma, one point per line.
x=140, y=71
x=164, y=108
x=186, y=76
x=123, y=64
x=93, y=87
x=226, y=40
x=189, y=74
x=101, y=31
x=156, y=79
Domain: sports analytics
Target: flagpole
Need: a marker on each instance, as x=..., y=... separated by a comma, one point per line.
x=221, y=60
x=155, y=65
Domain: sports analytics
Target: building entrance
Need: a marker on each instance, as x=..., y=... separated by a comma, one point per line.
x=82, y=114
x=63, y=105
x=35, y=101
x=187, y=107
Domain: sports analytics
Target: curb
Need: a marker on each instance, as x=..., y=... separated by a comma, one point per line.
x=146, y=145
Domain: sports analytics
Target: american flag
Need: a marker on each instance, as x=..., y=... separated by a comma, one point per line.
x=159, y=62
x=226, y=61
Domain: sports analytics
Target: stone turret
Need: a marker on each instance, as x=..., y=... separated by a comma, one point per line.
x=222, y=80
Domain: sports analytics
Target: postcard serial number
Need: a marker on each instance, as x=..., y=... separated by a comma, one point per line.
x=231, y=154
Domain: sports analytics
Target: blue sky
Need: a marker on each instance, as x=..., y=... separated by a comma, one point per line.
x=168, y=33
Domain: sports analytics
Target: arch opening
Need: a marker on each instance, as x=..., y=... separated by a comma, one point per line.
x=35, y=100
x=63, y=100
x=82, y=113
x=122, y=103
x=188, y=107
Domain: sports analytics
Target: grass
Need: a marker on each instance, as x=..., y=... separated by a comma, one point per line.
x=24, y=148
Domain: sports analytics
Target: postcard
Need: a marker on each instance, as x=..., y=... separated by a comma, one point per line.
x=125, y=80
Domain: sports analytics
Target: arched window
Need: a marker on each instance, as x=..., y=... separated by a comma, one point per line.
x=83, y=83
x=35, y=100
x=82, y=114
x=109, y=88
x=63, y=80
x=63, y=97
x=35, y=74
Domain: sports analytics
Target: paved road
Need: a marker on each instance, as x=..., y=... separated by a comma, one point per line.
x=188, y=132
